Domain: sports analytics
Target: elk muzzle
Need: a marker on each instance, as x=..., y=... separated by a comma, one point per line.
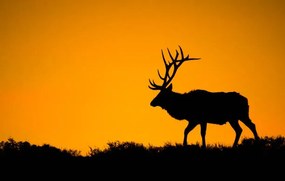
x=152, y=103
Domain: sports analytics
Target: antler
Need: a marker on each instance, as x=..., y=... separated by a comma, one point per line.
x=175, y=63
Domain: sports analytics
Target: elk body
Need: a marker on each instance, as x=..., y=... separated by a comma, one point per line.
x=200, y=107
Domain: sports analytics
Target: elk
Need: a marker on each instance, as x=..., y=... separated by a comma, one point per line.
x=200, y=106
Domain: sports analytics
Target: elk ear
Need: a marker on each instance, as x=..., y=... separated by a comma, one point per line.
x=169, y=87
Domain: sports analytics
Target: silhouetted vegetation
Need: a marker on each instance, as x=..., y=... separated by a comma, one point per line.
x=265, y=154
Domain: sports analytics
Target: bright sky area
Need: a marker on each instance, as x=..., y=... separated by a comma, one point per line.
x=74, y=73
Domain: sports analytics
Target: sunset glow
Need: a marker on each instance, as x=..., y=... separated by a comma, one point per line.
x=74, y=73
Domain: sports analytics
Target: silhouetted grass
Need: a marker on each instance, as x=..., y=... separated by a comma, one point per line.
x=266, y=155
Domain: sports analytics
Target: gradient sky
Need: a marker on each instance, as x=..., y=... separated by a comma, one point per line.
x=74, y=73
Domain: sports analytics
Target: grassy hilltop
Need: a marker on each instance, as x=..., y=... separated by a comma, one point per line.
x=264, y=156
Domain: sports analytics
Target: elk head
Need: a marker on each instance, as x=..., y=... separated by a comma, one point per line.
x=166, y=87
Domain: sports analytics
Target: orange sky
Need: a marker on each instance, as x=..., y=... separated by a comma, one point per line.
x=74, y=74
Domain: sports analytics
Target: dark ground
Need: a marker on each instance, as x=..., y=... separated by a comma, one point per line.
x=264, y=159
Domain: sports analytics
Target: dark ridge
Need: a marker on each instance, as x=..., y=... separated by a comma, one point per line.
x=255, y=158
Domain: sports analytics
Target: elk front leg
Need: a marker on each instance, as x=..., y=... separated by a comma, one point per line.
x=189, y=127
x=203, y=134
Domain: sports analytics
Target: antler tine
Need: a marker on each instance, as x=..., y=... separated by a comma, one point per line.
x=176, y=56
x=165, y=63
x=160, y=76
x=167, y=68
x=182, y=58
x=187, y=57
x=173, y=59
x=154, y=86
x=182, y=55
x=152, y=83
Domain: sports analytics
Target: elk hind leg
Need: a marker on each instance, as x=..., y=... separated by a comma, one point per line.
x=251, y=126
x=238, y=130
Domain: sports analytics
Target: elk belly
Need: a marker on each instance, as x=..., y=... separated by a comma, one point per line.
x=219, y=121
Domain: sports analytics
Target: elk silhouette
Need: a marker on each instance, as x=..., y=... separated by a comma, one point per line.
x=200, y=106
